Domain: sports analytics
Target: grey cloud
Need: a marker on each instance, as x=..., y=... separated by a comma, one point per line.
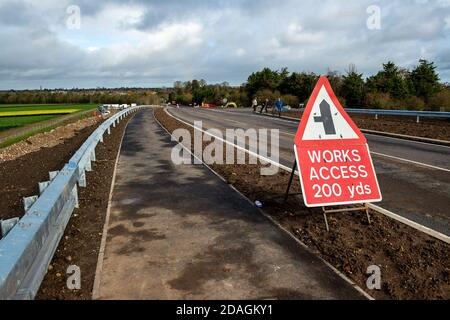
x=235, y=38
x=17, y=13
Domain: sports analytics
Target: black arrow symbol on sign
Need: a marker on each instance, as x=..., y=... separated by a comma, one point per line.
x=326, y=118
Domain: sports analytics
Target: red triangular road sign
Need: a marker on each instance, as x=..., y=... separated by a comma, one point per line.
x=325, y=122
x=332, y=154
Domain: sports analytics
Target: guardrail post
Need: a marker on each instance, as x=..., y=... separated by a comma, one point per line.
x=6, y=226
x=75, y=196
x=93, y=157
x=88, y=166
x=376, y=116
x=43, y=186
x=52, y=175
x=28, y=202
x=418, y=119
x=82, y=182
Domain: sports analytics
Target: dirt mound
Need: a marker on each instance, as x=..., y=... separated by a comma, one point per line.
x=20, y=177
x=45, y=140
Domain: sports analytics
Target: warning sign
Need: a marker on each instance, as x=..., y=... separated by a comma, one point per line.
x=332, y=154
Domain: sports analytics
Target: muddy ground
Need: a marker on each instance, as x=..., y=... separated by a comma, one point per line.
x=426, y=128
x=413, y=265
x=20, y=177
x=80, y=244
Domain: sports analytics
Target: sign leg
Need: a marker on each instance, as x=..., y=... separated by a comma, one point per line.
x=326, y=220
x=367, y=213
x=290, y=181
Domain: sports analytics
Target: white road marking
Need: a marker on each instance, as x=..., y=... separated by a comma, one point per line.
x=255, y=115
x=231, y=143
x=227, y=119
x=412, y=224
x=295, y=120
x=410, y=161
x=375, y=153
x=404, y=140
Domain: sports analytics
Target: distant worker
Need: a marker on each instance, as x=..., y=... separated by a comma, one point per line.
x=279, y=106
x=254, y=104
x=265, y=105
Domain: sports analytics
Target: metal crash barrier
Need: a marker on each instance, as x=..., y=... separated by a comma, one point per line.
x=27, y=249
x=403, y=113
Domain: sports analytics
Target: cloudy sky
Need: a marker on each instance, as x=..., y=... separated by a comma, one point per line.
x=154, y=43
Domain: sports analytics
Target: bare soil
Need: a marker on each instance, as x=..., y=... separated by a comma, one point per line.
x=46, y=139
x=426, y=128
x=413, y=265
x=81, y=242
x=20, y=177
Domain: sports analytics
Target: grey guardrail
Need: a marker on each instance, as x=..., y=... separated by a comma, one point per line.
x=27, y=250
x=418, y=114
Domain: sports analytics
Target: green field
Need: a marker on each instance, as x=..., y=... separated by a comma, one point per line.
x=36, y=107
x=19, y=115
x=37, y=112
x=7, y=123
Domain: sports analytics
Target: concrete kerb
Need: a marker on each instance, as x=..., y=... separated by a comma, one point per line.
x=412, y=224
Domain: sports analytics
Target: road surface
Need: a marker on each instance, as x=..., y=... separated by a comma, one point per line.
x=414, y=177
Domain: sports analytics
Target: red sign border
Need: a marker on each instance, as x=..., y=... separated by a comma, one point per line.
x=323, y=81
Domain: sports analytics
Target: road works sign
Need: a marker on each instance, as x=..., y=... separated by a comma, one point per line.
x=332, y=154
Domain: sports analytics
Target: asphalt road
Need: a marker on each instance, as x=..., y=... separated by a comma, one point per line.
x=414, y=177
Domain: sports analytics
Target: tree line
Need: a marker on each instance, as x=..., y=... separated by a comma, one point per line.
x=76, y=96
x=392, y=87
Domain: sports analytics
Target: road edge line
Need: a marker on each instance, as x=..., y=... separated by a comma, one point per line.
x=435, y=234
x=278, y=225
x=411, y=223
x=420, y=164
